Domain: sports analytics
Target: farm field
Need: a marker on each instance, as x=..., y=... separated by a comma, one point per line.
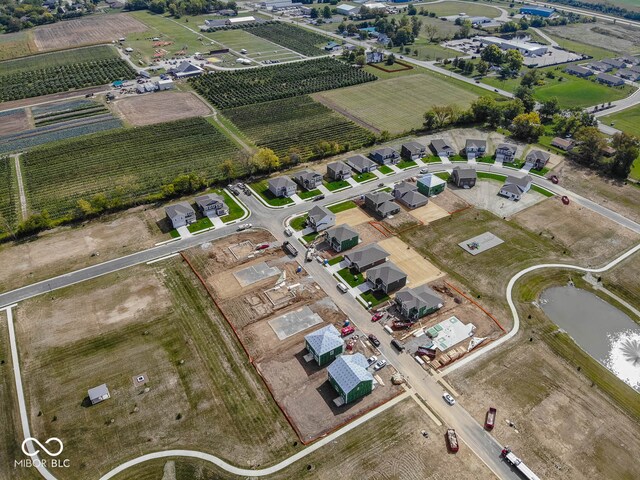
x=297, y=123
x=235, y=89
x=127, y=164
x=58, y=59
x=596, y=51
x=398, y=105
x=257, y=48
x=88, y=30
x=303, y=41
x=445, y=9
x=18, y=44
x=618, y=38
x=13, y=121
x=8, y=203
x=160, y=107
x=159, y=322
x=628, y=4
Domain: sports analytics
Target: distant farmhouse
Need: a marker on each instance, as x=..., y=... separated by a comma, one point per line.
x=565, y=144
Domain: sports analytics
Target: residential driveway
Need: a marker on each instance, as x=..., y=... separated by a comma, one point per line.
x=485, y=195
x=184, y=232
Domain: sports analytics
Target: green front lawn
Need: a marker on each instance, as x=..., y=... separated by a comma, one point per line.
x=518, y=164
x=310, y=237
x=385, y=170
x=349, y=278
x=298, y=223
x=309, y=194
x=235, y=210
x=457, y=158
x=364, y=177
x=201, y=224
x=432, y=159
x=336, y=260
x=486, y=160
x=541, y=190
x=541, y=171
x=445, y=176
x=341, y=207
x=336, y=185
x=491, y=176
x=375, y=298
x=404, y=164
x=174, y=233
x=262, y=189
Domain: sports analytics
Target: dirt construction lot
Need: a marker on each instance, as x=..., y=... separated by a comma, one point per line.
x=429, y=213
x=86, y=31
x=13, y=122
x=353, y=217
x=485, y=195
x=418, y=269
x=564, y=428
x=160, y=107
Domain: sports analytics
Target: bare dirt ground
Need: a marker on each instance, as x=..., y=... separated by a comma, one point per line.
x=588, y=237
x=401, y=221
x=623, y=280
x=619, y=38
x=86, y=31
x=352, y=217
x=160, y=107
x=418, y=269
x=449, y=201
x=609, y=193
x=14, y=122
x=68, y=248
x=429, y=213
x=564, y=427
x=485, y=195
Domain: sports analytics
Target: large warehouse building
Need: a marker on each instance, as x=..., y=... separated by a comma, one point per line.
x=524, y=47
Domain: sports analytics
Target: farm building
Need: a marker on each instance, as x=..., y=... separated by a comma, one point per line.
x=308, y=179
x=347, y=10
x=386, y=278
x=186, y=70
x=239, y=20
x=417, y=302
x=442, y=148
x=349, y=376
x=361, y=164
x=464, y=177
x=413, y=151
x=338, y=171
x=282, y=187
x=565, y=144
x=324, y=344
x=342, y=238
x=366, y=257
x=212, y=204
x=537, y=159
x=475, y=147
x=180, y=214
x=609, y=79
x=385, y=156
x=164, y=84
x=407, y=194
x=506, y=152
x=524, y=47
x=430, y=185
x=99, y=394
x=320, y=218
x=538, y=11
x=146, y=88
x=578, y=71
x=515, y=187
x=381, y=203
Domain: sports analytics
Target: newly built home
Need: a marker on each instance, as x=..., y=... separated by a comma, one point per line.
x=324, y=344
x=212, y=205
x=350, y=378
x=361, y=164
x=415, y=303
x=282, y=186
x=381, y=203
x=515, y=187
x=442, y=148
x=338, y=171
x=308, y=179
x=430, y=184
x=342, y=238
x=413, y=151
x=537, y=159
x=464, y=177
x=386, y=278
x=99, y=394
x=407, y=194
x=320, y=218
x=475, y=148
x=385, y=156
x=180, y=214
x=506, y=152
x=366, y=257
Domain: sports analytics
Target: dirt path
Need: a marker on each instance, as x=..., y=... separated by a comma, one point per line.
x=235, y=137
x=333, y=106
x=23, y=197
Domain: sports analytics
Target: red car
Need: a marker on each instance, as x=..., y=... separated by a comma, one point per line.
x=377, y=317
x=347, y=331
x=262, y=246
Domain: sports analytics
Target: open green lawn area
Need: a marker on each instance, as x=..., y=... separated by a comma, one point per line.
x=517, y=164
x=336, y=185
x=427, y=50
x=364, y=177
x=374, y=298
x=309, y=237
x=597, y=52
x=201, y=224
x=351, y=279
x=446, y=9
x=18, y=44
x=398, y=105
x=491, y=176
x=341, y=207
x=336, y=260
x=298, y=222
x=445, y=175
x=262, y=189
x=486, y=160
x=257, y=48
x=235, y=210
x=305, y=194
x=626, y=120
x=386, y=170
x=541, y=190
x=539, y=171
x=432, y=159
x=404, y=164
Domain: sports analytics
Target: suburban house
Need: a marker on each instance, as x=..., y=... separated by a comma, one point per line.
x=361, y=164
x=308, y=179
x=407, y=194
x=413, y=151
x=442, y=148
x=578, y=71
x=515, y=187
x=342, y=238
x=565, y=144
x=99, y=394
x=386, y=278
x=609, y=79
x=282, y=186
x=366, y=257
x=324, y=344
x=186, y=70
x=381, y=203
x=600, y=67
x=537, y=159
x=321, y=218
x=349, y=376
x=464, y=177
x=430, y=185
x=475, y=147
x=212, y=204
x=385, y=156
x=417, y=302
x=180, y=214
x=506, y=152
x=338, y=171
x=614, y=62
x=629, y=74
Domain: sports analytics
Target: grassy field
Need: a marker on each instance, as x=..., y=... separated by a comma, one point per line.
x=629, y=122
x=8, y=200
x=257, y=48
x=297, y=123
x=341, y=207
x=18, y=44
x=57, y=59
x=204, y=393
x=398, y=105
x=127, y=164
x=623, y=281
x=446, y=9
x=599, y=39
x=595, y=51
x=351, y=279
x=262, y=189
x=235, y=210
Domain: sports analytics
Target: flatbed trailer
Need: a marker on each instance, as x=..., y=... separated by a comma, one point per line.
x=490, y=420
x=452, y=440
x=519, y=465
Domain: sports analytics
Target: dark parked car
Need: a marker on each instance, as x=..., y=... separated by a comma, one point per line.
x=374, y=340
x=397, y=345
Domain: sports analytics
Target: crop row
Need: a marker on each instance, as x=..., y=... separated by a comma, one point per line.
x=56, y=59
x=130, y=164
x=245, y=87
x=62, y=108
x=83, y=113
x=44, y=81
x=294, y=38
x=7, y=198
